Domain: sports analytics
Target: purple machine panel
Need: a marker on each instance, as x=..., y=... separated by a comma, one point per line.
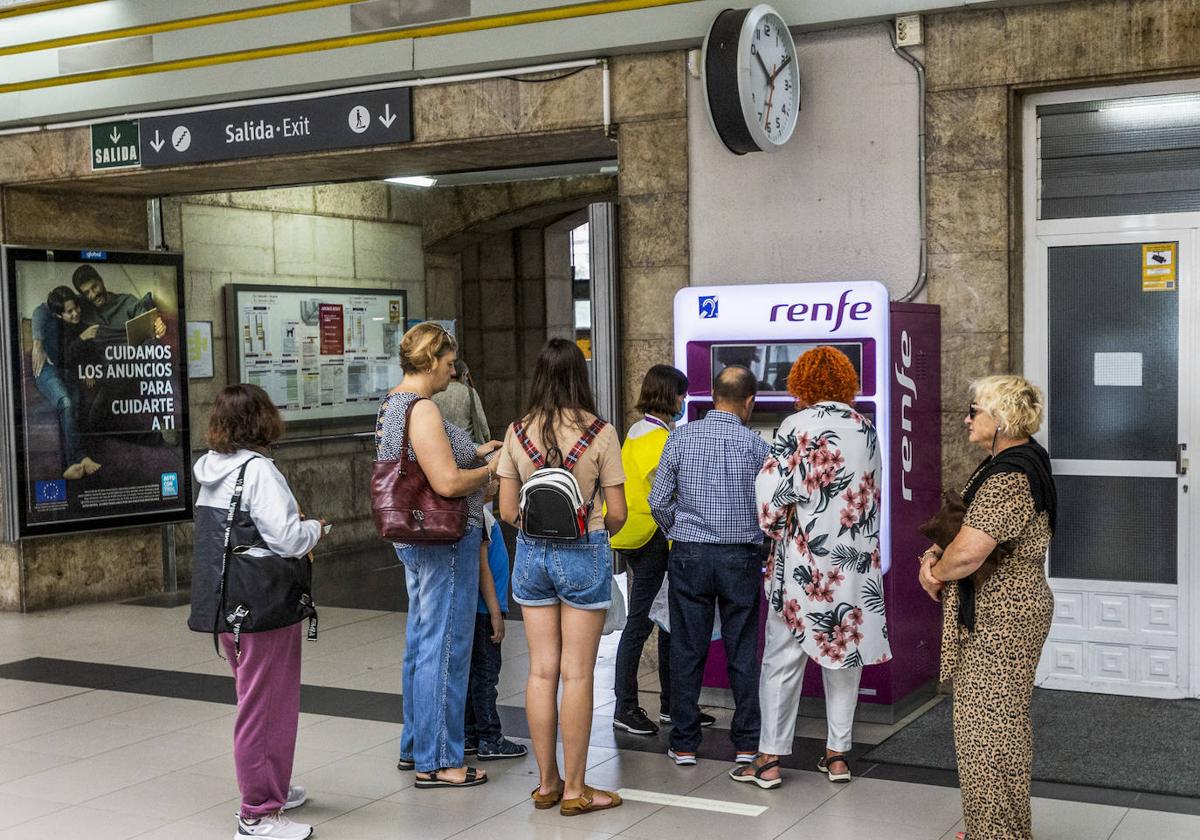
x=897, y=350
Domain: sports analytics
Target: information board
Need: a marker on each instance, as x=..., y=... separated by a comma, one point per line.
x=322, y=353
x=96, y=401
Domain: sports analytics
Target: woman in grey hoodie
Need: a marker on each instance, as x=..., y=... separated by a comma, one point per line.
x=266, y=665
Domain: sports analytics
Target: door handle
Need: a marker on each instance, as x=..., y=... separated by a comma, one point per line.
x=1181, y=460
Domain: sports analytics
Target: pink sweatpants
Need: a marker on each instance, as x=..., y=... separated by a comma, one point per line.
x=264, y=737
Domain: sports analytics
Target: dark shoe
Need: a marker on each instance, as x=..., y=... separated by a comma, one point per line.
x=473, y=778
x=705, y=719
x=470, y=747
x=500, y=748
x=406, y=764
x=635, y=721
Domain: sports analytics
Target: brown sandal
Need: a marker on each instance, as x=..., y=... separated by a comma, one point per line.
x=585, y=803
x=545, y=801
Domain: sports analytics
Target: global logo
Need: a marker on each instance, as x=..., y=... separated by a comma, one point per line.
x=708, y=306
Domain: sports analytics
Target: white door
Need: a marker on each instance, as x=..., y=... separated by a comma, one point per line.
x=1111, y=341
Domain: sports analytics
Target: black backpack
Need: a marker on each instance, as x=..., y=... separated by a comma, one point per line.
x=551, y=504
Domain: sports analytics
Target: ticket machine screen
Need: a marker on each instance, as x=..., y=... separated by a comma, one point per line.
x=770, y=362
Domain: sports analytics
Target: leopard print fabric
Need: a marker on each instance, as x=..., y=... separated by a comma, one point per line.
x=993, y=667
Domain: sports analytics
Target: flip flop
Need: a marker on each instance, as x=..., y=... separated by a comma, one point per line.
x=472, y=779
x=406, y=764
x=752, y=774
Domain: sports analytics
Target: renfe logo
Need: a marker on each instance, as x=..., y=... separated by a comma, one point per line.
x=823, y=311
x=906, y=407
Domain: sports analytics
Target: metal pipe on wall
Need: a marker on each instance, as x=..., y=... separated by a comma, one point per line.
x=923, y=267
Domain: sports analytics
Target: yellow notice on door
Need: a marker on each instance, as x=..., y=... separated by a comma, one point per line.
x=1159, y=267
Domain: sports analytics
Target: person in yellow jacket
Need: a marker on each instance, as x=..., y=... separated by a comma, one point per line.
x=643, y=546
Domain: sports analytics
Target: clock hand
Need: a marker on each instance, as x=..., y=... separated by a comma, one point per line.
x=773, y=76
x=770, y=96
x=763, y=65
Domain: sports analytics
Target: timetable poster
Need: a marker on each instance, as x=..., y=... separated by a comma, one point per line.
x=321, y=353
x=98, y=366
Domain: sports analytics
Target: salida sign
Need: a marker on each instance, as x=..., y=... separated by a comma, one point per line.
x=116, y=145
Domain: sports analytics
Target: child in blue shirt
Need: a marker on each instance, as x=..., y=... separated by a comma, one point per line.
x=484, y=737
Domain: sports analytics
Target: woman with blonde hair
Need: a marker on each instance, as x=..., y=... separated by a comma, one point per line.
x=994, y=624
x=818, y=498
x=442, y=579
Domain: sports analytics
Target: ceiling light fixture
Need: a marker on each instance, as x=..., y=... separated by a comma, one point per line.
x=413, y=181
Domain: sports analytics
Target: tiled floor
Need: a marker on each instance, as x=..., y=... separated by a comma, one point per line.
x=96, y=763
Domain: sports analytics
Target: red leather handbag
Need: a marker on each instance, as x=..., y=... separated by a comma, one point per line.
x=405, y=508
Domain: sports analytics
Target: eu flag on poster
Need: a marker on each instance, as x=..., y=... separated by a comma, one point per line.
x=48, y=492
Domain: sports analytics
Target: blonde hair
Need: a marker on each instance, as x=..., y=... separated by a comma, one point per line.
x=423, y=345
x=1014, y=402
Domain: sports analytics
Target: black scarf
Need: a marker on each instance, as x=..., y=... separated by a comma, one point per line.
x=1032, y=460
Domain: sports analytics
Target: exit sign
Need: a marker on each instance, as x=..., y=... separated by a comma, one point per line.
x=116, y=145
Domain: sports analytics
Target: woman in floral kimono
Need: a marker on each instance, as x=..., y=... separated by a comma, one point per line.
x=818, y=498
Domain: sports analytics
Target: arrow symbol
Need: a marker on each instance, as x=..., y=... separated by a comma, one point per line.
x=115, y=136
x=157, y=143
x=388, y=117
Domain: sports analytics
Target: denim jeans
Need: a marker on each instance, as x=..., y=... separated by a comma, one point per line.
x=482, y=720
x=647, y=567
x=577, y=573
x=51, y=386
x=729, y=577
x=443, y=585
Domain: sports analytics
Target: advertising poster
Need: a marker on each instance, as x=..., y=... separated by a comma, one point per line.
x=320, y=352
x=97, y=369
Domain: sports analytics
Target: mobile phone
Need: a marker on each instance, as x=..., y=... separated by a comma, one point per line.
x=328, y=527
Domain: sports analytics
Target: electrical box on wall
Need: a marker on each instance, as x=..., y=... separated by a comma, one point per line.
x=908, y=31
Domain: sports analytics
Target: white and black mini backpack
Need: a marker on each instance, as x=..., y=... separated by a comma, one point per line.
x=551, y=504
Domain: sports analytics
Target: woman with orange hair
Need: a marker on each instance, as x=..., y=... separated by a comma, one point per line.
x=818, y=498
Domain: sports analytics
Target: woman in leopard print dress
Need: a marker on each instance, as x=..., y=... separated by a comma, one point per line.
x=996, y=615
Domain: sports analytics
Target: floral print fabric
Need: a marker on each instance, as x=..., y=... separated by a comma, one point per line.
x=818, y=498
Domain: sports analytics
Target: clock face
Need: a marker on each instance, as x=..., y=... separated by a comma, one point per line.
x=769, y=80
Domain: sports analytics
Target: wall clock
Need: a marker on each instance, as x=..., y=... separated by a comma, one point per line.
x=751, y=81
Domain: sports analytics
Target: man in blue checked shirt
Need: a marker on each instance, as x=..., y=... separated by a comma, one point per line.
x=703, y=498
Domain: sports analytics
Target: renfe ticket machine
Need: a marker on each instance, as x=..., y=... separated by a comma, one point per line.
x=895, y=347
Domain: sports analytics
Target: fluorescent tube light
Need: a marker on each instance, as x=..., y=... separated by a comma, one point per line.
x=413, y=181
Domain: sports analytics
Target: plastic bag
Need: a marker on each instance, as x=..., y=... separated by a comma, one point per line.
x=660, y=612
x=617, y=615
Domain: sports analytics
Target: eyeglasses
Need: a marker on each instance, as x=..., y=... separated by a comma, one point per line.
x=973, y=410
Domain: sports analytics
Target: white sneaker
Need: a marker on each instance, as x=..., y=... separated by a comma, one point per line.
x=275, y=826
x=683, y=759
x=297, y=796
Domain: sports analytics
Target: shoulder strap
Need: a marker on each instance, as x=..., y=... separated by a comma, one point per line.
x=404, y=436
x=234, y=503
x=583, y=443
x=527, y=445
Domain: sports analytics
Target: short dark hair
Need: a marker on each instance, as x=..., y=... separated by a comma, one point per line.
x=83, y=274
x=734, y=384
x=58, y=297
x=243, y=417
x=662, y=385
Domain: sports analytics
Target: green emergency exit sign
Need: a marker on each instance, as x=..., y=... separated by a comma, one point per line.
x=116, y=145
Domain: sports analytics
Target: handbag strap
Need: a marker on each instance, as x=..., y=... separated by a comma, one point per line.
x=234, y=503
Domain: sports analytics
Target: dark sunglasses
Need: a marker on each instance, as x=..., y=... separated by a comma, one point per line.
x=973, y=410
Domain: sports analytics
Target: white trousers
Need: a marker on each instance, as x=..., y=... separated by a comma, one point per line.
x=779, y=685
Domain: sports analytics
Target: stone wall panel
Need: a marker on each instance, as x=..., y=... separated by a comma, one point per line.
x=654, y=157
x=649, y=87
x=654, y=230
x=966, y=129
x=972, y=290
x=968, y=212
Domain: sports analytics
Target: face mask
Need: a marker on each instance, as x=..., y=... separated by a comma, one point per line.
x=677, y=416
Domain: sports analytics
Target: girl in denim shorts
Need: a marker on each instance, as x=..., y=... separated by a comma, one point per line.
x=563, y=586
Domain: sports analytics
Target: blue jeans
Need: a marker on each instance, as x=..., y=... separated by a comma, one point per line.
x=443, y=585
x=51, y=386
x=483, y=721
x=576, y=572
x=729, y=577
